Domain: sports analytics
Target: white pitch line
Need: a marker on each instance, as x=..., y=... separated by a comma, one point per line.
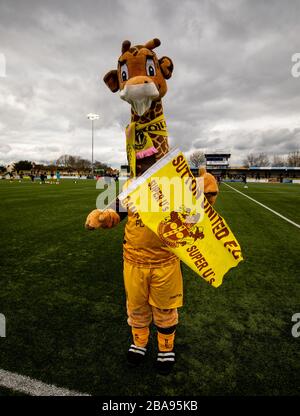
x=32, y=387
x=264, y=206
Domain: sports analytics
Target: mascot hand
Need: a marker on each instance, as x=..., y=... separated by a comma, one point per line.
x=211, y=189
x=98, y=218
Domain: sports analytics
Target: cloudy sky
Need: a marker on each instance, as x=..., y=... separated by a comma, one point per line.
x=231, y=89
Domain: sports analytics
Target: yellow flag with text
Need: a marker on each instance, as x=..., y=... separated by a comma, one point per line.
x=171, y=202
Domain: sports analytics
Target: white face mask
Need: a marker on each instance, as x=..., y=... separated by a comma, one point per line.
x=140, y=96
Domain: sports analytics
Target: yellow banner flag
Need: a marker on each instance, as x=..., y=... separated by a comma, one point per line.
x=171, y=202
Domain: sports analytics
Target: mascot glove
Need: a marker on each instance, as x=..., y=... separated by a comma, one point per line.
x=98, y=218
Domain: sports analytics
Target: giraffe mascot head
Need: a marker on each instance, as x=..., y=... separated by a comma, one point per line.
x=141, y=79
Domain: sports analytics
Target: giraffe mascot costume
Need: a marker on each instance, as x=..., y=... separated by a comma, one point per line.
x=152, y=274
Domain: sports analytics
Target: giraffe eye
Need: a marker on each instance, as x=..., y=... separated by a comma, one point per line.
x=150, y=67
x=124, y=72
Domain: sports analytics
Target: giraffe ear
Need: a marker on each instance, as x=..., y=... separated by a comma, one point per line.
x=166, y=66
x=112, y=81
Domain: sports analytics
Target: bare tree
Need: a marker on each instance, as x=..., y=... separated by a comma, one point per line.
x=258, y=159
x=63, y=160
x=83, y=164
x=100, y=165
x=278, y=161
x=262, y=160
x=72, y=162
x=250, y=160
x=294, y=158
x=197, y=159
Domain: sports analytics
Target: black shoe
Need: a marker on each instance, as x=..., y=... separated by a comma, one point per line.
x=136, y=355
x=165, y=362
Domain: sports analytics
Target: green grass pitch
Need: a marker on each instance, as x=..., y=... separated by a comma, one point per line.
x=61, y=290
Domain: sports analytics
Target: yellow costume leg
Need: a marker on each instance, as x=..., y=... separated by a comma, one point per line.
x=140, y=336
x=139, y=315
x=166, y=291
x=165, y=318
x=166, y=294
x=136, y=280
x=165, y=321
x=165, y=341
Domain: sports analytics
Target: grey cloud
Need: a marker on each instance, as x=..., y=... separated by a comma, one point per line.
x=4, y=148
x=241, y=146
x=47, y=149
x=270, y=142
x=204, y=143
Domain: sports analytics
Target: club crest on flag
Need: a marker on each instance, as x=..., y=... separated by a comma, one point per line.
x=179, y=229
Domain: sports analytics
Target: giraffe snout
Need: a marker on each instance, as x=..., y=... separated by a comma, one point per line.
x=140, y=95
